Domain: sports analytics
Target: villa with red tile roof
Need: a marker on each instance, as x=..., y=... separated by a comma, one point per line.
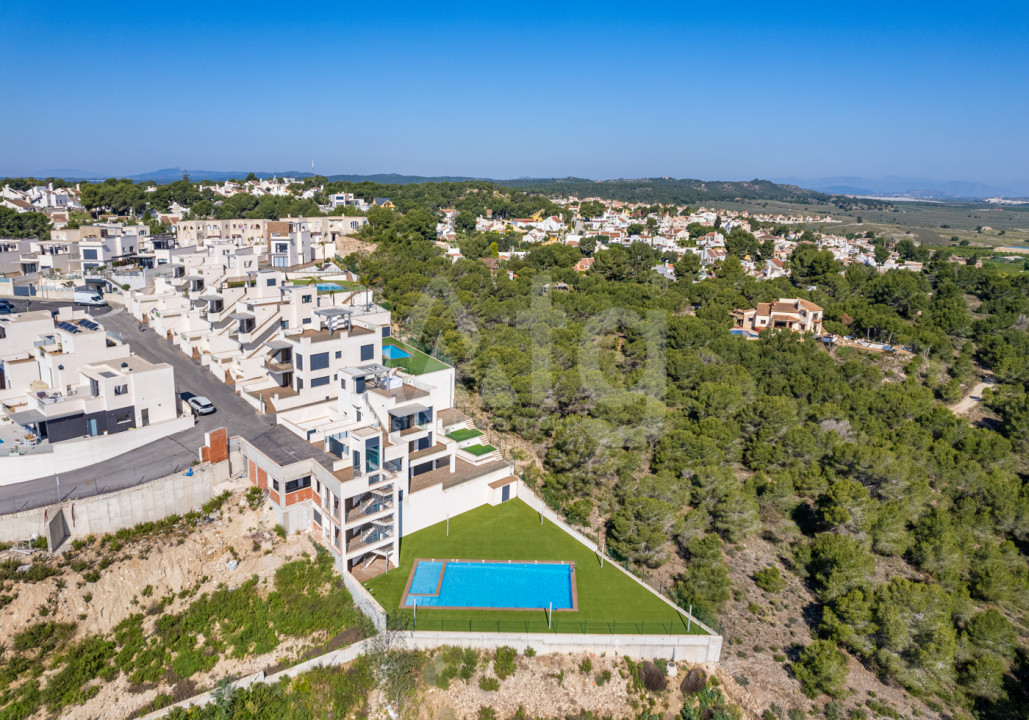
x=786, y=314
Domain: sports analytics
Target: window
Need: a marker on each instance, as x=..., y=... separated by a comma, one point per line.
x=318, y=517
x=89, y=254
x=357, y=461
x=367, y=352
x=299, y=361
x=307, y=321
x=319, y=381
x=284, y=324
x=339, y=354
x=343, y=383
x=298, y=484
x=371, y=455
x=123, y=417
x=275, y=485
x=271, y=282
x=385, y=331
x=305, y=298
x=319, y=361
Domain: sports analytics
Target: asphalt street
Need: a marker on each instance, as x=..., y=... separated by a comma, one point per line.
x=166, y=456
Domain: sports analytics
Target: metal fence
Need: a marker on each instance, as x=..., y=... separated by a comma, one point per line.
x=559, y=625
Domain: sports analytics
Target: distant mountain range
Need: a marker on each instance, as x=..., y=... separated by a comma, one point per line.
x=905, y=187
x=167, y=175
x=891, y=186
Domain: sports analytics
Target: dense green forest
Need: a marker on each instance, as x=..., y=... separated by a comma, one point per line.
x=659, y=428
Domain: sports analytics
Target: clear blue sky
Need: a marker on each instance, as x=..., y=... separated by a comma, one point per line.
x=602, y=90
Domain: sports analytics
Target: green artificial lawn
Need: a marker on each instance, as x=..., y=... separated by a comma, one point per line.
x=479, y=449
x=609, y=601
x=418, y=364
x=464, y=434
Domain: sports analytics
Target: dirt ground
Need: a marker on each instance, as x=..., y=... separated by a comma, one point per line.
x=169, y=564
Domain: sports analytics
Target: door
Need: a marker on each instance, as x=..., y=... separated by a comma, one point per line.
x=144, y=417
x=505, y=493
x=91, y=428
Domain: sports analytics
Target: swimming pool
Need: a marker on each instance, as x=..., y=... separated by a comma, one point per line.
x=329, y=287
x=392, y=352
x=489, y=584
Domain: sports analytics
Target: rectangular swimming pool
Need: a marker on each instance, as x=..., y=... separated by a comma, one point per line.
x=493, y=585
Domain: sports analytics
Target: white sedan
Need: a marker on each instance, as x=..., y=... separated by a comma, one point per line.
x=200, y=405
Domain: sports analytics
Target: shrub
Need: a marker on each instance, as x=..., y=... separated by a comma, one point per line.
x=530, y=652
x=487, y=713
x=489, y=684
x=822, y=669
x=769, y=579
x=91, y=577
x=280, y=531
x=503, y=662
x=586, y=666
x=603, y=677
x=215, y=503
x=147, y=591
x=254, y=497
x=796, y=714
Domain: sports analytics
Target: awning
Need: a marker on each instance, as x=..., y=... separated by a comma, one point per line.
x=241, y=316
x=210, y=298
x=28, y=417
x=279, y=344
x=407, y=410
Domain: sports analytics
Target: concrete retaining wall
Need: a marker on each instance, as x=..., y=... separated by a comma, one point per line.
x=172, y=495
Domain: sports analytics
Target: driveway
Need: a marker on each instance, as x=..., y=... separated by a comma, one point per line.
x=163, y=457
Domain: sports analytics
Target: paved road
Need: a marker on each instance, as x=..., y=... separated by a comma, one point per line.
x=161, y=458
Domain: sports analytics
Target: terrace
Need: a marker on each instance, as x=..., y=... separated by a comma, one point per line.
x=408, y=358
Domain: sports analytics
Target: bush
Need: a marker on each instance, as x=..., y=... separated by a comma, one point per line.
x=503, y=662
x=529, y=652
x=586, y=666
x=487, y=713
x=215, y=504
x=489, y=684
x=280, y=531
x=254, y=497
x=769, y=579
x=822, y=669
x=603, y=677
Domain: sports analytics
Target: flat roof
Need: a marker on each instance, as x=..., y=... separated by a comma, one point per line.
x=285, y=448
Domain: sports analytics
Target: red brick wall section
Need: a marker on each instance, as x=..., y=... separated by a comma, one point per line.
x=262, y=481
x=216, y=446
x=298, y=496
x=273, y=495
x=252, y=471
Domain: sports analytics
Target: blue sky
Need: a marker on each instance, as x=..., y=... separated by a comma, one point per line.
x=602, y=90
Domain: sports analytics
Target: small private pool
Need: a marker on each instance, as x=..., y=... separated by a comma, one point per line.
x=472, y=584
x=329, y=287
x=392, y=352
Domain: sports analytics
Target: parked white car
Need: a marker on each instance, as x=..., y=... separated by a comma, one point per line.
x=200, y=405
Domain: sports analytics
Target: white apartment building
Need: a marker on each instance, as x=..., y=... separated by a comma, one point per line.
x=377, y=462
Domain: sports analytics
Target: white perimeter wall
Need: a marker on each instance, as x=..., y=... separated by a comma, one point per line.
x=432, y=505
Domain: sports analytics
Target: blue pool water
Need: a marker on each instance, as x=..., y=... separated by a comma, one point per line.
x=491, y=585
x=392, y=352
x=328, y=287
